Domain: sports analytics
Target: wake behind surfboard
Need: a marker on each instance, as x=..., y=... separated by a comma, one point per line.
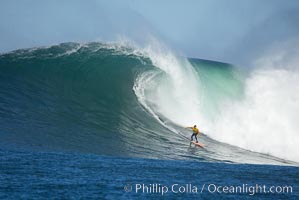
x=198, y=144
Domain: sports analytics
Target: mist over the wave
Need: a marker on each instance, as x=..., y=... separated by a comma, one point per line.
x=232, y=31
x=43, y=23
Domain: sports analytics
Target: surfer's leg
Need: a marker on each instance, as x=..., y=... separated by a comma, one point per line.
x=195, y=135
x=192, y=137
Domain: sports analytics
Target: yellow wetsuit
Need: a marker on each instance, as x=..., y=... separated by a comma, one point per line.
x=195, y=130
x=195, y=133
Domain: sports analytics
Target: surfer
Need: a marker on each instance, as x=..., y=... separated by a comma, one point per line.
x=195, y=132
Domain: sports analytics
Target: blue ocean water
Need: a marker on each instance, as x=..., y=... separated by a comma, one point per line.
x=40, y=175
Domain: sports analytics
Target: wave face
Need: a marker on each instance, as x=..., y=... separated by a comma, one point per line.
x=119, y=100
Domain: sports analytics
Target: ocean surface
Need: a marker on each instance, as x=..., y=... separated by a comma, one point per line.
x=107, y=121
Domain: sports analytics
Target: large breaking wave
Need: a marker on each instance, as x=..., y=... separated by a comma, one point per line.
x=117, y=99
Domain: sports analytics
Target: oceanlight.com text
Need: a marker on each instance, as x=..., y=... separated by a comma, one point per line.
x=162, y=189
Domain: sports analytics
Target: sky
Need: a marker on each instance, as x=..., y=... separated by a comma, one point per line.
x=224, y=30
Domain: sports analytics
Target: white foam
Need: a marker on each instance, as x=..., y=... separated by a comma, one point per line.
x=267, y=119
x=175, y=92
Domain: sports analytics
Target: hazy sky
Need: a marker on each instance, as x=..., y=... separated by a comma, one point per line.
x=225, y=30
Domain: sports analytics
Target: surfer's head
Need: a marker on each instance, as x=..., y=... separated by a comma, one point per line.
x=194, y=126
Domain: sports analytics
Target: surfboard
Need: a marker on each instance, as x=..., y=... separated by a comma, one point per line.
x=198, y=144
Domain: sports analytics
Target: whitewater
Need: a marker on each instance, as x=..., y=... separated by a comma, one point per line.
x=263, y=117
